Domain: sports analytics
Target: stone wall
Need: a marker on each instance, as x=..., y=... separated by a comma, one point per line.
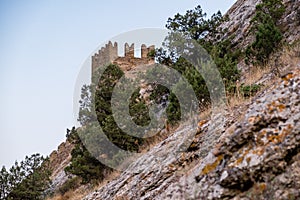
x=109, y=54
x=105, y=55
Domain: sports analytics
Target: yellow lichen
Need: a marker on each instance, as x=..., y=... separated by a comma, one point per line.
x=202, y=122
x=254, y=119
x=259, y=151
x=281, y=107
x=212, y=166
x=239, y=160
x=244, y=153
x=260, y=188
x=248, y=160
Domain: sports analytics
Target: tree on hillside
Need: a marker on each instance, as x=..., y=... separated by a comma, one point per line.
x=83, y=164
x=195, y=24
x=87, y=106
x=207, y=32
x=25, y=180
x=95, y=110
x=4, y=185
x=273, y=8
x=265, y=25
x=103, y=96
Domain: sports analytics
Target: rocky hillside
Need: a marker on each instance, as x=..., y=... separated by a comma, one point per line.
x=241, y=13
x=257, y=157
x=248, y=151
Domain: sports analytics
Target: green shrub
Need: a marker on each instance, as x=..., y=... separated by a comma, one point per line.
x=249, y=90
x=268, y=35
x=138, y=110
x=70, y=184
x=207, y=33
x=83, y=164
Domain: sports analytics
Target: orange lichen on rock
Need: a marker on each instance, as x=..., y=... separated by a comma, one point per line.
x=279, y=138
x=260, y=188
x=242, y=157
x=248, y=160
x=276, y=106
x=288, y=76
x=200, y=125
x=202, y=122
x=281, y=107
x=212, y=166
x=259, y=137
x=239, y=160
x=259, y=151
x=254, y=119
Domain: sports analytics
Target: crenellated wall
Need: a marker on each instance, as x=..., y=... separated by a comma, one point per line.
x=109, y=54
x=105, y=55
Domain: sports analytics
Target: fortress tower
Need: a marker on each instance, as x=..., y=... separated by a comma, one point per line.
x=109, y=54
x=105, y=55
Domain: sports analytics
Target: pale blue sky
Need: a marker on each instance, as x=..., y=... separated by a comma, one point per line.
x=42, y=47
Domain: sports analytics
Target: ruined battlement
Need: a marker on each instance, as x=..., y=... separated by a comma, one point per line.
x=109, y=54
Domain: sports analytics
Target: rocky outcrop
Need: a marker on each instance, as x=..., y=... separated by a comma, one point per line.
x=291, y=21
x=253, y=160
x=238, y=24
x=59, y=159
x=241, y=13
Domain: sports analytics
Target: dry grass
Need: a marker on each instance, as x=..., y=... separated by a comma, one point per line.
x=283, y=60
x=286, y=59
x=79, y=193
x=255, y=74
x=235, y=100
x=109, y=177
x=154, y=140
x=82, y=191
x=205, y=114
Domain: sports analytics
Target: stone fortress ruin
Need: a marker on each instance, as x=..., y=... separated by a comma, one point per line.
x=109, y=54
